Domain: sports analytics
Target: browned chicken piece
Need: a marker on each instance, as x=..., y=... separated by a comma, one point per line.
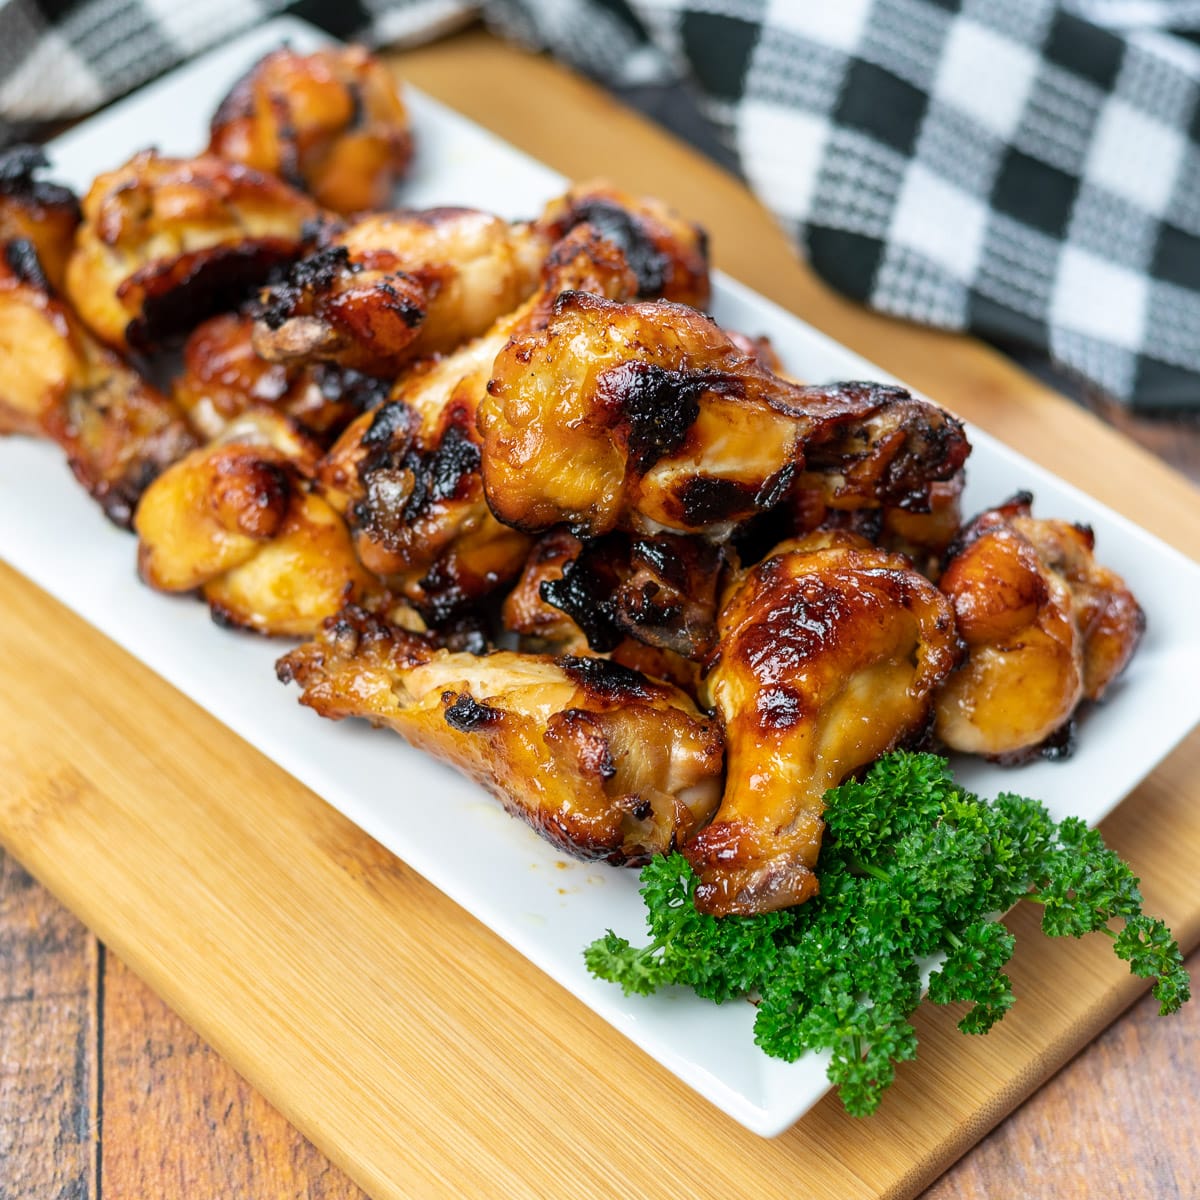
x=1045, y=627
x=393, y=287
x=667, y=254
x=828, y=654
x=32, y=210
x=166, y=242
x=237, y=520
x=57, y=381
x=603, y=762
x=331, y=123
x=407, y=476
x=648, y=417
x=544, y=627
x=924, y=537
x=223, y=377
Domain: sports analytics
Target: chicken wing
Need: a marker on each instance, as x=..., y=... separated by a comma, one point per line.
x=118, y=432
x=828, y=655
x=648, y=417
x=331, y=123
x=407, y=477
x=223, y=377
x=396, y=286
x=1045, y=627
x=166, y=242
x=598, y=759
x=32, y=210
x=237, y=520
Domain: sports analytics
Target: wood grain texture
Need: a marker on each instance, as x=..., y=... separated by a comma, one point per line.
x=49, y=989
x=179, y=1122
x=420, y=1052
x=1065, y=1141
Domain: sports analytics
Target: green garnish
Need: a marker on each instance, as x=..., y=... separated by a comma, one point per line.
x=913, y=867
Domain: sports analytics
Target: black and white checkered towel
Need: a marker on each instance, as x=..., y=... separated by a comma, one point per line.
x=1024, y=169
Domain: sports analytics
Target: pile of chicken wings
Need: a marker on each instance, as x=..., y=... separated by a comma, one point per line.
x=533, y=509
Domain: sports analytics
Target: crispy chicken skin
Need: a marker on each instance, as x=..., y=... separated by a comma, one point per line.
x=603, y=762
x=648, y=417
x=118, y=432
x=828, y=654
x=396, y=286
x=1045, y=626
x=542, y=626
x=236, y=520
x=331, y=123
x=407, y=476
x=166, y=241
x=223, y=377
x=32, y=210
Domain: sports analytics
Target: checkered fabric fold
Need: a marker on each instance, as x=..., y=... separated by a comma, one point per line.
x=1023, y=169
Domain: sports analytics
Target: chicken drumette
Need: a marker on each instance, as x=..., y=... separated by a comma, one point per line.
x=602, y=761
x=167, y=241
x=331, y=123
x=1046, y=626
x=828, y=653
x=649, y=417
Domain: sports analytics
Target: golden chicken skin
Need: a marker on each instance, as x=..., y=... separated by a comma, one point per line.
x=601, y=761
x=407, y=476
x=828, y=653
x=166, y=242
x=32, y=210
x=648, y=417
x=237, y=520
x=56, y=381
x=392, y=287
x=223, y=377
x=331, y=123
x=1045, y=627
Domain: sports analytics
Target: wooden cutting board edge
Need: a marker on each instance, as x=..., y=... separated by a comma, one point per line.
x=56, y=815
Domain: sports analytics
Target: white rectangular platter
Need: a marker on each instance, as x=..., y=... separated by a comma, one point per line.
x=492, y=865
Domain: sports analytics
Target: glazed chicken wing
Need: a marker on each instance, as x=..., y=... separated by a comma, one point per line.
x=237, y=520
x=395, y=286
x=32, y=210
x=331, y=123
x=648, y=417
x=828, y=654
x=118, y=432
x=165, y=242
x=1045, y=626
x=407, y=476
x=224, y=377
x=598, y=759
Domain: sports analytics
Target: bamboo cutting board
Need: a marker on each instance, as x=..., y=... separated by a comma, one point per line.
x=422, y=1054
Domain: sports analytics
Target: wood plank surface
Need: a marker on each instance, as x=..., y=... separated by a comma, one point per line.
x=424, y=1056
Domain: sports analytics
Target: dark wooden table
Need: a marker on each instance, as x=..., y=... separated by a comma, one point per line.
x=104, y=1092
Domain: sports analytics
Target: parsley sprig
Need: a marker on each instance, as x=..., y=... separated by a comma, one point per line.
x=914, y=868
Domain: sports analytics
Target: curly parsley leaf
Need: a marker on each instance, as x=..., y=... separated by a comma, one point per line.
x=914, y=868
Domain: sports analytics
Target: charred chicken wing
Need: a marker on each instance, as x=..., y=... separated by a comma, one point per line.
x=1045, y=626
x=648, y=417
x=35, y=211
x=603, y=762
x=56, y=380
x=827, y=656
x=331, y=123
x=167, y=241
x=395, y=286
